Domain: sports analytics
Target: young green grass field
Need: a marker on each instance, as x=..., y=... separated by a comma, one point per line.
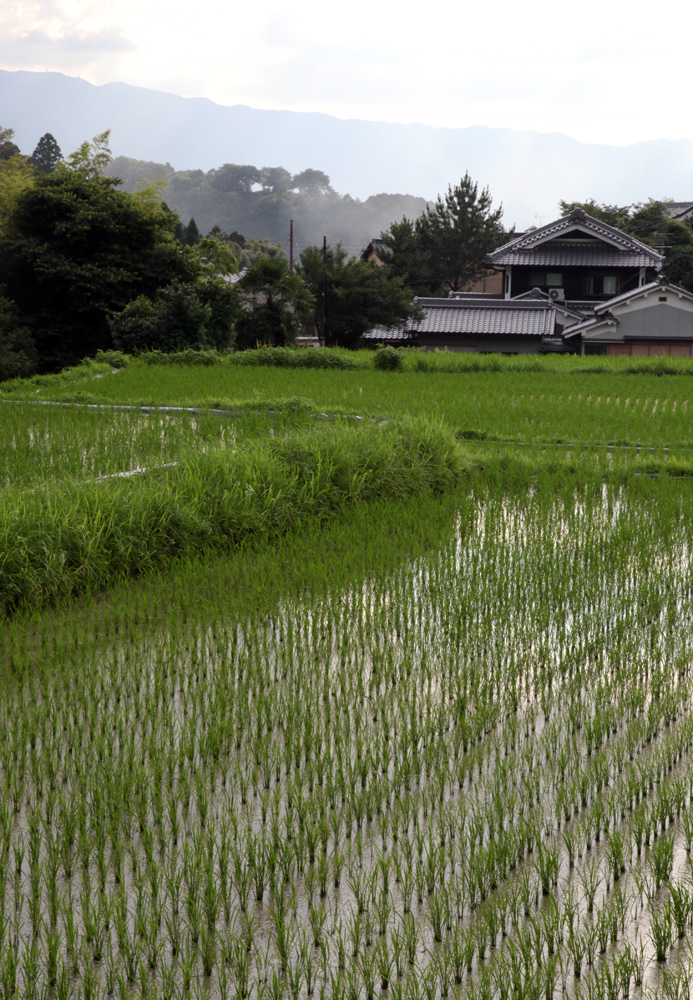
x=377, y=683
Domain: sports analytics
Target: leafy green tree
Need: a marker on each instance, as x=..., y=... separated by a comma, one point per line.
x=197, y=314
x=17, y=349
x=276, y=180
x=16, y=175
x=277, y=304
x=91, y=160
x=234, y=177
x=216, y=257
x=47, y=154
x=312, y=181
x=76, y=249
x=8, y=147
x=352, y=296
x=651, y=224
x=458, y=231
x=617, y=216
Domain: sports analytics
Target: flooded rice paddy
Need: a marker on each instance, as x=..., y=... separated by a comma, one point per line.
x=469, y=778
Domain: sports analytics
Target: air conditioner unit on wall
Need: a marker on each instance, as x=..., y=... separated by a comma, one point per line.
x=557, y=294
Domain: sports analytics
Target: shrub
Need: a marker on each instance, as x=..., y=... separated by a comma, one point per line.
x=116, y=359
x=388, y=359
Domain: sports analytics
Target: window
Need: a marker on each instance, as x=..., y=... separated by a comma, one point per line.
x=610, y=285
x=554, y=280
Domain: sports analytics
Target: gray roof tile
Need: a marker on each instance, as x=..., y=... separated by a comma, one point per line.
x=469, y=316
x=562, y=255
x=537, y=241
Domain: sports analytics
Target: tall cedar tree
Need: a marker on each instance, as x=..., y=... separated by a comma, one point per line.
x=47, y=154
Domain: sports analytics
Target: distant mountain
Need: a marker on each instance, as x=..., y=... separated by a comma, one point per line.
x=527, y=171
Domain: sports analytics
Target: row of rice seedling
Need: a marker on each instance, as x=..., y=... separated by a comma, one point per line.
x=44, y=443
x=472, y=776
x=566, y=405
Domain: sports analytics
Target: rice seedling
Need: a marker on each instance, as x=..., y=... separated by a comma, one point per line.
x=465, y=768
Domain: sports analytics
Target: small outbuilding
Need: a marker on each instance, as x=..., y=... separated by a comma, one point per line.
x=655, y=319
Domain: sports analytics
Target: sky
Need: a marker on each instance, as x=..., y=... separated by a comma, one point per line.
x=591, y=71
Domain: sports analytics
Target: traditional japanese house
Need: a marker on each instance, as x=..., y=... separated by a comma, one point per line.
x=575, y=285
x=577, y=259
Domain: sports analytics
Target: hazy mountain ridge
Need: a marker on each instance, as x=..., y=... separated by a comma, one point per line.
x=527, y=171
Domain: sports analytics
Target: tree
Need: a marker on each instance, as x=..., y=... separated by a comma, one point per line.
x=407, y=258
x=8, y=147
x=236, y=177
x=191, y=234
x=277, y=304
x=276, y=180
x=47, y=154
x=216, y=257
x=651, y=224
x=76, y=249
x=16, y=175
x=458, y=231
x=352, y=296
x=617, y=216
x=17, y=350
x=197, y=314
x=92, y=158
x=312, y=181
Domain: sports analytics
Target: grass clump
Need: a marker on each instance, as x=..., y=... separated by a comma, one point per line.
x=388, y=359
x=60, y=539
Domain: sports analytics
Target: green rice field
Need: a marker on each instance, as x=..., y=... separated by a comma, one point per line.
x=295, y=704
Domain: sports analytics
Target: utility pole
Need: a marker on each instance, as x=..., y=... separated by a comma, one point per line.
x=324, y=288
x=291, y=244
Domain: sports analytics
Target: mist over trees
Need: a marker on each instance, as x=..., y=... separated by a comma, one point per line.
x=261, y=201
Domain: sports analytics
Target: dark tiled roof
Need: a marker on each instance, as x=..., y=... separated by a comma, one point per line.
x=478, y=316
x=398, y=335
x=678, y=209
x=613, y=240
x=563, y=255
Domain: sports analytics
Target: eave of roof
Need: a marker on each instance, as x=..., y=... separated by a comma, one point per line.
x=576, y=220
x=590, y=324
x=574, y=256
x=642, y=292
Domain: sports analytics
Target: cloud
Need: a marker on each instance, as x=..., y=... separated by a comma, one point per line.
x=85, y=42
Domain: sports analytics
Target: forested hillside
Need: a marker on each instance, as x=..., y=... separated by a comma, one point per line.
x=260, y=202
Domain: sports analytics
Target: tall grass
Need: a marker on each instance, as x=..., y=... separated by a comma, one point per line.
x=59, y=539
